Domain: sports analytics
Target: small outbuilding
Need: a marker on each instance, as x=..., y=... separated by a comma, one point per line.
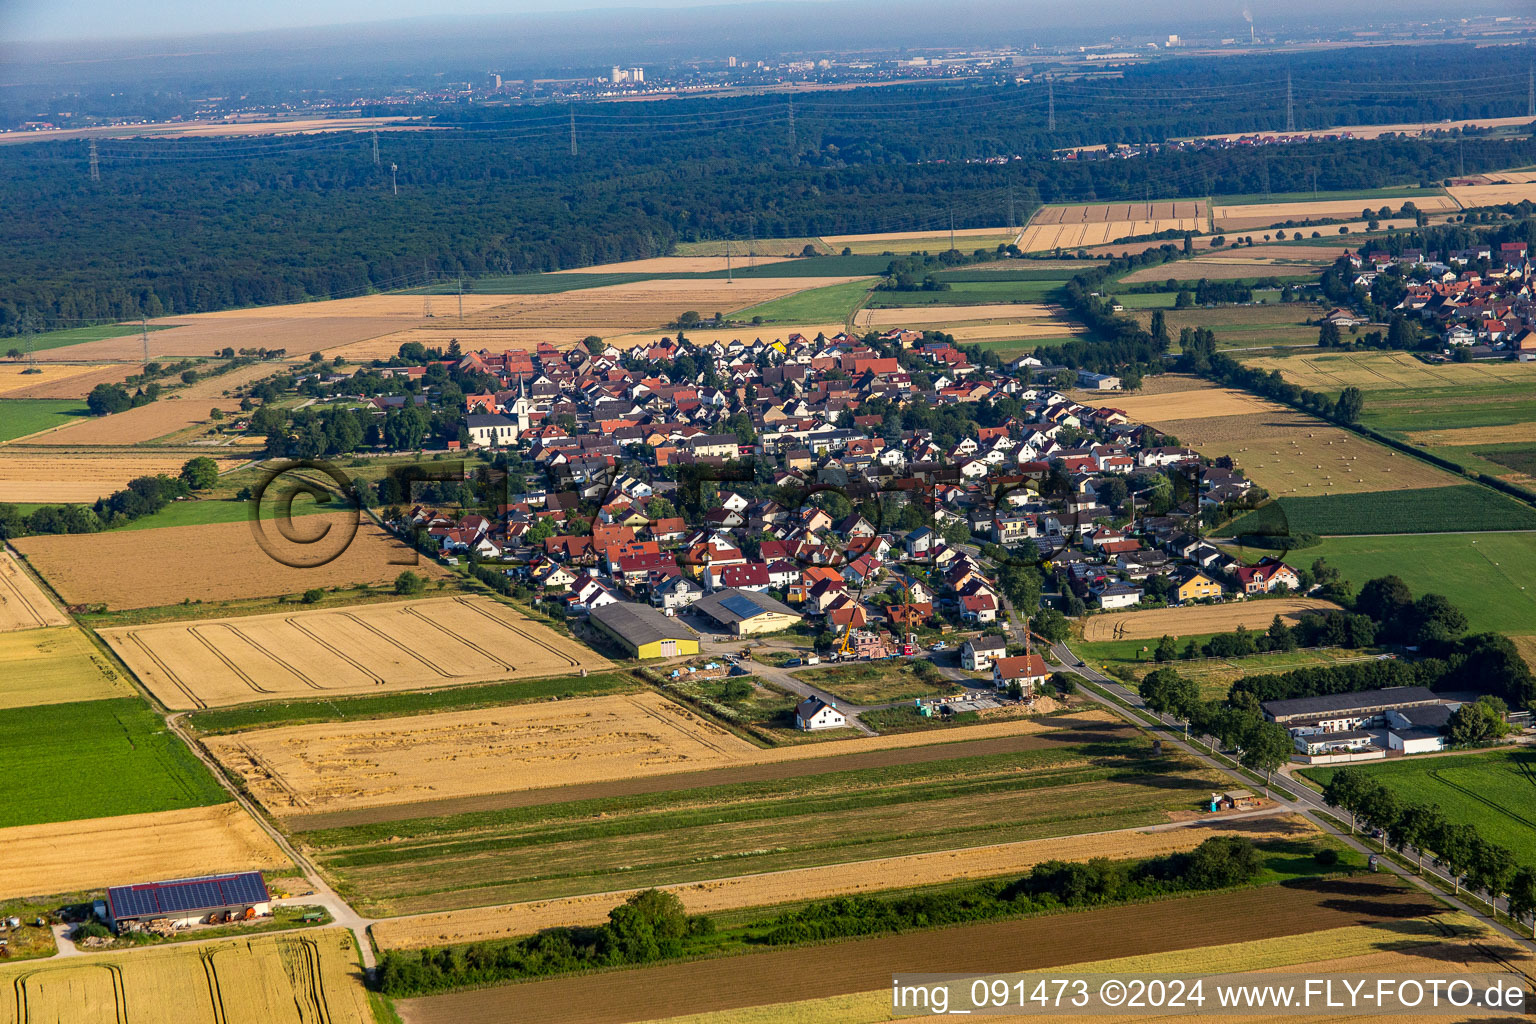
x=184, y=902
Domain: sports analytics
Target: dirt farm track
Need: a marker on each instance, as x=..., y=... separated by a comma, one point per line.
x=866, y=965
x=435, y=642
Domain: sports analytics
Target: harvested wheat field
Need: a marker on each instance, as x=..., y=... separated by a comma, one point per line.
x=1262, y=215
x=370, y=649
x=941, y=235
x=311, y=769
x=57, y=665
x=175, y=411
x=1461, y=436
x=308, y=978
x=1472, y=196
x=59, y=380
x=1020, y=311
x=1390, y=371
x=1188, y=405
x=1284, y=451
x=1072, y=227
x=1198, y=620
x=206, y=334
x=1019, y=944
x=681, y=264
x=704, y=335
x=68, y=856
x=23, y=605
x=1391, y=948
x=217, y=562
x=40, y=475
x=859, y=877
x=638, y=304
x=1222, y=268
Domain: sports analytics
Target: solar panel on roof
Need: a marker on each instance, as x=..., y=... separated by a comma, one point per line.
x=741, y=605
x=184, y=895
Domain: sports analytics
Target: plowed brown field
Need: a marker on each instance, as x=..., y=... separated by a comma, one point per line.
x=219, y=562
x=860, y=877
x=375, y=648
x=858, y=754
x=1199, y=619
x=69, y=856
x=865, y=965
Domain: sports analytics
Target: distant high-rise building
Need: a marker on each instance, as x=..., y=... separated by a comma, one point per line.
x=1173, y=41
x=732, y=62
x=637, y=74
x=616, y=75
x=493, y=80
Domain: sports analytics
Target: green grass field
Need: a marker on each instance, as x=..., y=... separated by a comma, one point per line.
x=22, y=416
x=1494, y=792
x=816, y=266
x=222, y=510
x=96, y=759
x=876, y=682
x=832, y=304
x=1483, y=574
x=1468, y=508
x=395, y=705
x=76, y=335
x=1059, y=274
x=535, y=284
x=1399, y=412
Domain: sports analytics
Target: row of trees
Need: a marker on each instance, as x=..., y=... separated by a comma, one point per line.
x=1469, y=857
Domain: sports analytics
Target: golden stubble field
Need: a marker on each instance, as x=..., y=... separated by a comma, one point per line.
x=59, y=380
x=40, y=475
x=825, y=882
x=1251, y=216
x=1072, y=227
x=313, y=769
x=369, y=649
x=217, y=562
x=1471, y=196
x=1284, y=451
x=74, y=855
x=1389, y=371
x=1197, y=620
x=306, y=978
x=1223, y=268
x=206, y=334
x=23, y=605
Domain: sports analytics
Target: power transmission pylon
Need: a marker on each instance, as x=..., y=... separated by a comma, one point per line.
x=792, y=143
x=95, y=163
x=728, y=278
x=1290, y=105
x=573, y=129
x=1050, y=103
x=1010, y=209
x=951, y=229
x=461, y=296
x=144, y=330
x=394, y=182
x=375, y=149
x=1530, y=101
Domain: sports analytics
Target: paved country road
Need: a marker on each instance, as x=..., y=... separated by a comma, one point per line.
x=1306, y=800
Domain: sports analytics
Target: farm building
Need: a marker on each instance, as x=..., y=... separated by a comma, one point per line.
x=1028, y=670
x=1346, y=712
x=745, y=613
x=184, y=902
x=643, y=631
x=814, y=713
x=1417, y=730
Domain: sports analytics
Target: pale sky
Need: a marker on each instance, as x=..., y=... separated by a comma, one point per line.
x=29, y=20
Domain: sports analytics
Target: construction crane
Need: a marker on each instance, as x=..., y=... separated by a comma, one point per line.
x=841, y=650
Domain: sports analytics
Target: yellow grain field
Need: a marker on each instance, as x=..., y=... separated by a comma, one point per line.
x=53, y=378
x=860, y=877
x=38, y=475
x=1472, y=196
x=1197, y=620
x=325, y=767
x=1246, y=217
x=368, y=649
x=208, y=334
x=173, y=412
x=23, y=604
x=218, y=562
x=306, y=978
x=1073, y=227
x=1018, y=311
x=1390, y=371
x=1284, y=451
x=1188, y=405
x=56, y=665
x=1223, y=268
x=70, y=856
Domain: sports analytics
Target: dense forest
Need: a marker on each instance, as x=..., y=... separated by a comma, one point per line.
x=204, y=224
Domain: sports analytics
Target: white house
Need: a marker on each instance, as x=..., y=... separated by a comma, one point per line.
x=675, y=592
x=1119, y=595
x=977, y=655
x=814, y=713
